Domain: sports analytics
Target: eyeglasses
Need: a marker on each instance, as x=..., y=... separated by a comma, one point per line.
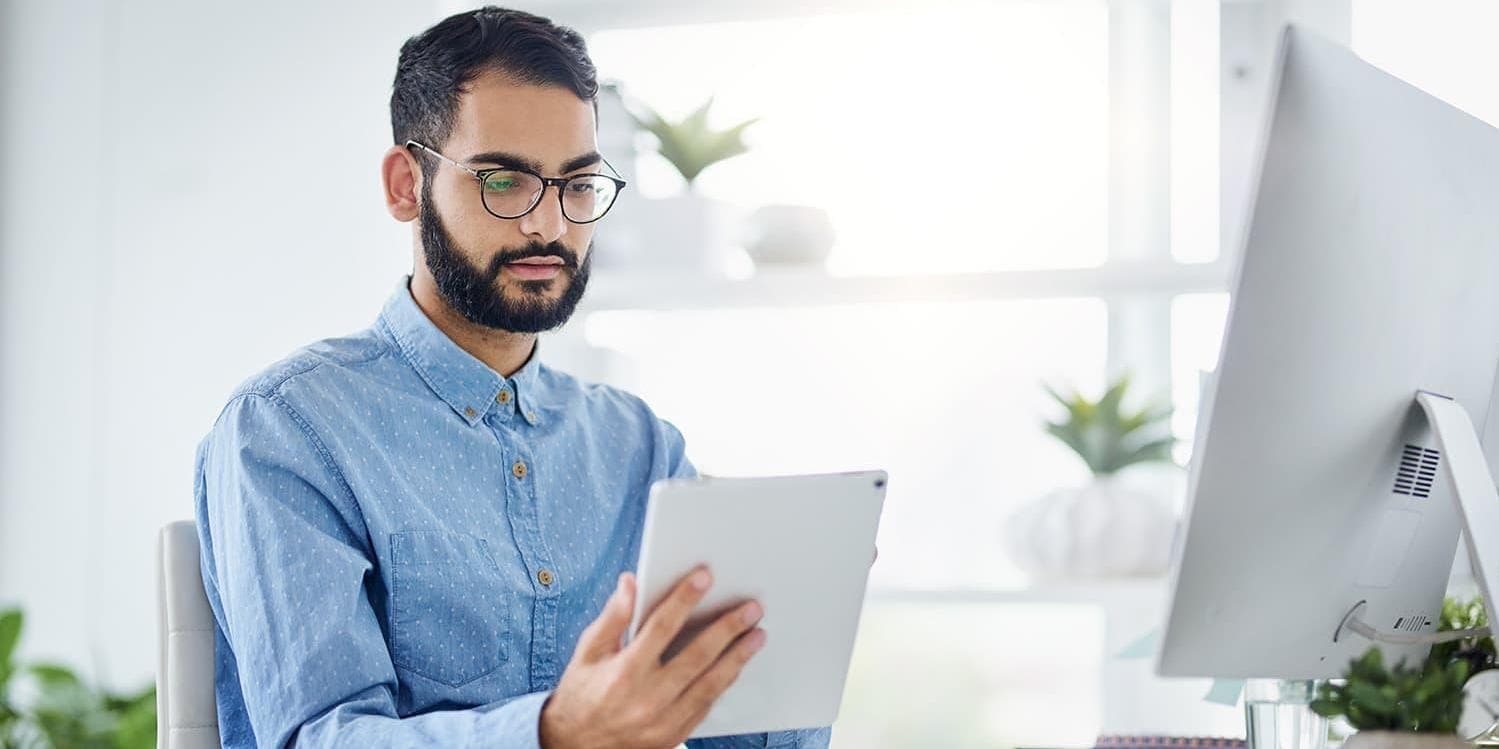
x=509, y=192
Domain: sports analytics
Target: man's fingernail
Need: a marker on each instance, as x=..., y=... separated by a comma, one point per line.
x=700, y=579
x=751, y=613
x=756, y=641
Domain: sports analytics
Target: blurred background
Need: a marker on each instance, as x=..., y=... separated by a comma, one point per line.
x=939, y=208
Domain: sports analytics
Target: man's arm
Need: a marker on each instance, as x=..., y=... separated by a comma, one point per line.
x=287, y=563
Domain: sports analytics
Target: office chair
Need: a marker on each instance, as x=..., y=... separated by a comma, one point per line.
x=186, y=713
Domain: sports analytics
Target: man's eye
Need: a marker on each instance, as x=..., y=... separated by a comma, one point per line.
x=499, y=184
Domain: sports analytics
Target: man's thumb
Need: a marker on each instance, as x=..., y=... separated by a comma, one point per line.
x=607, y=630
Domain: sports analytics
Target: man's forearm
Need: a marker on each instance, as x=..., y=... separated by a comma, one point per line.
x=512, y=724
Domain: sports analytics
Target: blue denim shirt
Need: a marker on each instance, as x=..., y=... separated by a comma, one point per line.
x=401, y=547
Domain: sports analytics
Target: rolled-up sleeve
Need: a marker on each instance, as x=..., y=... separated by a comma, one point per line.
x=289, y=572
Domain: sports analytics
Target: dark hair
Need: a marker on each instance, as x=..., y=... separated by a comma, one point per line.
x=436, y=66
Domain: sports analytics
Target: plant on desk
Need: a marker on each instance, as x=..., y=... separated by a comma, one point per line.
x=1409, y=707
x=1105, y=528
x=62, y=712
x=1389, y=706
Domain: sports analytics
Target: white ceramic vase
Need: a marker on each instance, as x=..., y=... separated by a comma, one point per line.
x=789, y=236
x=1104, y=529
x=688, y=234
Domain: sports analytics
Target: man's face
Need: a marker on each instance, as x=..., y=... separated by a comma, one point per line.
x=521, y=275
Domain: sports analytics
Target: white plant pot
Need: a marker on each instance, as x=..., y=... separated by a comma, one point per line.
x=688, y=234
x=1104, y=529
x=1403, y=740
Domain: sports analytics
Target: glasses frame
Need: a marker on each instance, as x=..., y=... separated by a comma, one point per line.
x=561, y=182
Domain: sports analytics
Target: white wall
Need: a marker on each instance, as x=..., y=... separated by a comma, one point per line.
x=188, y=191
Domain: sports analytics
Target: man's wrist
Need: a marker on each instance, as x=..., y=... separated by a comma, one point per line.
x=548, y=735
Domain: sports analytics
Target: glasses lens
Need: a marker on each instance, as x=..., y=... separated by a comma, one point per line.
x=587, y=198
x=510, y=194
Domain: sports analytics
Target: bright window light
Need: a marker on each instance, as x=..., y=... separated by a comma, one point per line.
x=947, y=397
x=1197, y=322
x=940, y=140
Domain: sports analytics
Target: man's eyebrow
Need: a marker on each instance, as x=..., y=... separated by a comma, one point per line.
x=574, y=164
x=502, y=158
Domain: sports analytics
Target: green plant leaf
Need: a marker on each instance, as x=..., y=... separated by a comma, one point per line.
x=691, y=145
x=10, y=633
x=1106, y=436
x=53, y=675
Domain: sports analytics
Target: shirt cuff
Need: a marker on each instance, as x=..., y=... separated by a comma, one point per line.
x=518, y=722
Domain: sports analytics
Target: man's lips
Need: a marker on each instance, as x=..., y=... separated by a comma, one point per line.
x=536, y=268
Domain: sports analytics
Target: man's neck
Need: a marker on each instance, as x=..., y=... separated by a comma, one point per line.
x=502, y=351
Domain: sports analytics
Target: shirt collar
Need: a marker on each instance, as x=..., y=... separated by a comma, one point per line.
x=466, y=384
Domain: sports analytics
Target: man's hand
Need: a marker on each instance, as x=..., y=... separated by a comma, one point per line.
x=626, y=698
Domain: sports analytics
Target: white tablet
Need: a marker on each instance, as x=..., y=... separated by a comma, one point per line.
x=801, y=546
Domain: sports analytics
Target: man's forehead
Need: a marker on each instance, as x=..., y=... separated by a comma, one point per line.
x=548, y=126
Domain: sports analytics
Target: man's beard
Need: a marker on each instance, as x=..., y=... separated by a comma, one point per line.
x=474, y=292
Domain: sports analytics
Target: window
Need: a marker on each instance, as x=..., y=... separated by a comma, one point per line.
x=945, y=396
x=939, y=140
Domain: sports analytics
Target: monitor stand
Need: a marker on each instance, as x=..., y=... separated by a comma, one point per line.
x=1478, y=508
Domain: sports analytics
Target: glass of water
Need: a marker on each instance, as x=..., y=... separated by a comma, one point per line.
x=1278, y=715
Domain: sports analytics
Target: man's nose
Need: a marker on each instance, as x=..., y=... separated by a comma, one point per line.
x=545, y=223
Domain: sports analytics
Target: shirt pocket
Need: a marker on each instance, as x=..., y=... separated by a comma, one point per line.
x=448, y=617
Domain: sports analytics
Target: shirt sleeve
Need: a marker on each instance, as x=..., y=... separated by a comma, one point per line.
x=289, y=571
x=812, y=738
x=678, y=465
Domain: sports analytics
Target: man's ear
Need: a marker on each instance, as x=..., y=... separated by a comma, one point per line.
x=401, y=176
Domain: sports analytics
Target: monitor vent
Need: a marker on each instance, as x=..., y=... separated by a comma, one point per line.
x=1412, y=623
x=1418, y=471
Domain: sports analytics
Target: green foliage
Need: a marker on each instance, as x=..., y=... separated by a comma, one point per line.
x=66, y=713
x=691, y=145
x=1428, y=699
x=1461, y=615
x=1108, y=437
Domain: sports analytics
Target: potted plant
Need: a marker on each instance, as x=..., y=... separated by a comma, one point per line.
x=1398, y=707
x=63, y=712
x=690, y=144
x=689, y=231
x=1104, y=528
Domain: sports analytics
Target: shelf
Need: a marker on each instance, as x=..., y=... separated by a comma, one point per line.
x=669, y=290
x=1113, y=590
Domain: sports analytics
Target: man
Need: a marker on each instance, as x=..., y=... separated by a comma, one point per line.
x=419, y=535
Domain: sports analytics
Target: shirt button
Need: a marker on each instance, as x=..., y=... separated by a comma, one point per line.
x=503, y=397
x=544, y=577
x=519, y=469
x=469, y=412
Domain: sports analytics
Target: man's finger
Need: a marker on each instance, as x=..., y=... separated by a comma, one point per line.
x=601, y=638
x=666, y=620
x=709, y=646
x=695, y=703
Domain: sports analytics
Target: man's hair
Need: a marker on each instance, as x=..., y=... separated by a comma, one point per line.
x=436, y=66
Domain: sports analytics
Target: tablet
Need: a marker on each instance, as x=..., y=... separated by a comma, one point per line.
x=801, y=546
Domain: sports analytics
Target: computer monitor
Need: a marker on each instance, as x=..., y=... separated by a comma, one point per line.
x=1369, y=275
